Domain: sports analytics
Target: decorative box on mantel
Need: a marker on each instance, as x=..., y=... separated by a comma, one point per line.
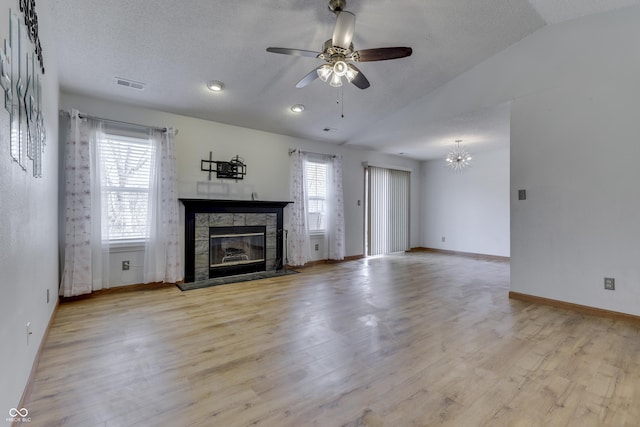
x=230, y=237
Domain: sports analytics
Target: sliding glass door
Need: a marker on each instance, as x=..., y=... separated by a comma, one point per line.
x=387, y=206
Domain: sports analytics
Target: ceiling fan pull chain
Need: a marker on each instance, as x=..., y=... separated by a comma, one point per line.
x=340, y=100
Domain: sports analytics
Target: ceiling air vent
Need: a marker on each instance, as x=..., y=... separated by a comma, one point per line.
x=130, y=83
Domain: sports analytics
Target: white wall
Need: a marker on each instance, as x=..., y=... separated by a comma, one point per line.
x=28, y=232
x=471, y=209
x=574, y=145
x=266, y=156
x=575, y=151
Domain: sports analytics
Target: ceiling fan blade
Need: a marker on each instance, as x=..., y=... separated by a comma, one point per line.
x=343, y=31
x=359, y=80
x=306, y=80
x=381, y=54
x=294, y=52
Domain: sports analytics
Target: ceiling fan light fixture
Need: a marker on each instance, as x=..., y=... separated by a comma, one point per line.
x=338, y=52
x=351, y=74
x=340, y=68
x=336, y=81
x=324, y=72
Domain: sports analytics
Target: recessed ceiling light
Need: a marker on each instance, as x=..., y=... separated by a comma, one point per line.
x=298, y=108
x=215, y=86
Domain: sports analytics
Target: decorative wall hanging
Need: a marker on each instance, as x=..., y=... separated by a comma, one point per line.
x=21, y=84
x=233, y=169
x=28, y=8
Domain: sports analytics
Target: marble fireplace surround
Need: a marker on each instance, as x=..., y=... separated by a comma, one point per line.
x=201, y=214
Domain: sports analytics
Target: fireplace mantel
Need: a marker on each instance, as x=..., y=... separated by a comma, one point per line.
x=201, y=213
x=233, y=204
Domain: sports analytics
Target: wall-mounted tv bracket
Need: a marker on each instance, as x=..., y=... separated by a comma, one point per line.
x=233, y=169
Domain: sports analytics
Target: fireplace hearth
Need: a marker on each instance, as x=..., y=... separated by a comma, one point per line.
x=232, y=237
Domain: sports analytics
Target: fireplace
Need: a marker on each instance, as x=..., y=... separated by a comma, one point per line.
x=230, y=237
x=237, y=250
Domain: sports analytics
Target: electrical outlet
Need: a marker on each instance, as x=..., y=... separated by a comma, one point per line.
x=125, y=265
x=444, y=239
x=610, y=283
x=317, y=247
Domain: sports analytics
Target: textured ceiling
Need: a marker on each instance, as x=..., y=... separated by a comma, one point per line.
x=176, y=47
x=556, y=11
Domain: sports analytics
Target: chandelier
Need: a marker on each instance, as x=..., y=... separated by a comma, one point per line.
x=458, y=158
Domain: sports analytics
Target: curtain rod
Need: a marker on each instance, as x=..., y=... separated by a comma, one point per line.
x=293, y=150
x=87, y=116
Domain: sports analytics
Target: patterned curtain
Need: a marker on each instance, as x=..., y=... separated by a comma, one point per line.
x=86, y=246
x=335, y=229
x=298, y=238
x=162, y=249
x=86, y=256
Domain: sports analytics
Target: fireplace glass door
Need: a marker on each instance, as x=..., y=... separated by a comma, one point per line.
x=236, y=250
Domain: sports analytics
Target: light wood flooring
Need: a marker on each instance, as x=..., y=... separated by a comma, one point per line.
x=417, y=339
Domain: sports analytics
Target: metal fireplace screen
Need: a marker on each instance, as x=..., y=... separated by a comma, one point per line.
x=236, y=246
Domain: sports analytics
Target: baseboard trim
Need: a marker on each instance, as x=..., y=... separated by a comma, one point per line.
x=138, y=287
x=464, y=254
x=327, y=261
x=36, y=361
x=585, y=309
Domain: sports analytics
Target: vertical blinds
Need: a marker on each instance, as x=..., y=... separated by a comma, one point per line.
x=389, y=202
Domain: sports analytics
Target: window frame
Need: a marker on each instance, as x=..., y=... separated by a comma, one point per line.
x=136, y=241
x=324, y=213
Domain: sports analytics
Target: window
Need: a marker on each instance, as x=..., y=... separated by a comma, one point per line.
x=126, y=166
x=316, y=174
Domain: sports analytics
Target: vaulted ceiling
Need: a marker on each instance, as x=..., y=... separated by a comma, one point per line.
x=176, y=47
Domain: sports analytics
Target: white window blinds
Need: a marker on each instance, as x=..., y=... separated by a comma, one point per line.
x=126, y=167
x=316, y=182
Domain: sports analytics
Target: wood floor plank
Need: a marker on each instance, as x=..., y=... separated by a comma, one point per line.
x=417, y=339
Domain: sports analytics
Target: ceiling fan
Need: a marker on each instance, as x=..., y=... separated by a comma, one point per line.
x=339, y=54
